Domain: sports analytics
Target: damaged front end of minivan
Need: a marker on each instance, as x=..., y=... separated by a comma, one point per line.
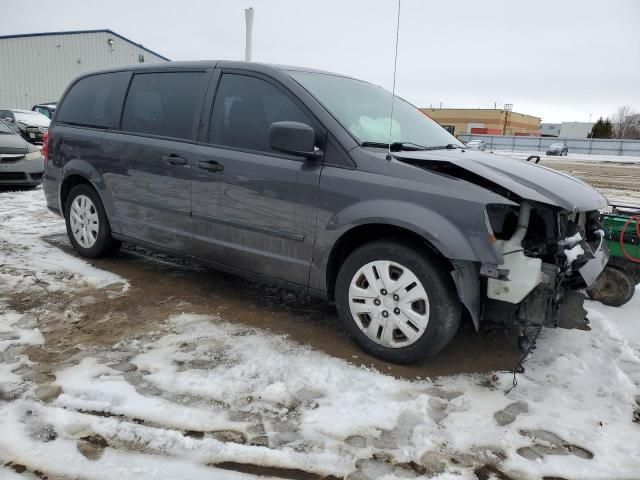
x=549, y=257
x=547, y=234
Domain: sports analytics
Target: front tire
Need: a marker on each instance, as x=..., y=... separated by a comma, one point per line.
x=397, y=302
x=87, y=223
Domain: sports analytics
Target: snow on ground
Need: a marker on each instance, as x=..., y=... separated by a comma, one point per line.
x=197, y=393
x=26, y=260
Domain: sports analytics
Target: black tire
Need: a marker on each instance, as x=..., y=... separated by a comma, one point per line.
x=614, y=287
x=105, y=244
x=444, y=306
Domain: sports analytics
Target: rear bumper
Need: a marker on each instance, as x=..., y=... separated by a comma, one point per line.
x=51, y=187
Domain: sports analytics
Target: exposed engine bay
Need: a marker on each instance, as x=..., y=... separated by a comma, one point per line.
x=550, y=256
x=545, y=231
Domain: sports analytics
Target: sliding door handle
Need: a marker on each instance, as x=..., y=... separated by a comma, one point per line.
x=210, y=166
x=174, y=160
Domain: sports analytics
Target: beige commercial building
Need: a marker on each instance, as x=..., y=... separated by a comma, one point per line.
x=485, y=121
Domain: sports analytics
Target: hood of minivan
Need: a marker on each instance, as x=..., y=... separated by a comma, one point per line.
x=525, y=179
x=12, y=144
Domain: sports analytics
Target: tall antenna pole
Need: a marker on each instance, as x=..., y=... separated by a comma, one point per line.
x=393, y=90
x=248, y=16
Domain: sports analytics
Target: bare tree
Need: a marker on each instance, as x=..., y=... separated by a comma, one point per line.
x=623, y=121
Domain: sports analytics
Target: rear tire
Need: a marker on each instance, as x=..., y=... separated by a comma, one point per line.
x=397, y=302
x=87, y=223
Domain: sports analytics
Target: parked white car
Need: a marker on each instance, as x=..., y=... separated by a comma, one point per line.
x=476, y=145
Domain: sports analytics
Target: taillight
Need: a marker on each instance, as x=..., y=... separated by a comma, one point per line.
x=45, y=146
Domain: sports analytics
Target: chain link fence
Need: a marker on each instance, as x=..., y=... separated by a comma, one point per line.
x=596, y=146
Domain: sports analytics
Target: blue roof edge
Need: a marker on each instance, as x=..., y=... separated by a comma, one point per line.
x=72, y=32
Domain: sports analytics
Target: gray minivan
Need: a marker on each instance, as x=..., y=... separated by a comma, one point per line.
x=286, y=175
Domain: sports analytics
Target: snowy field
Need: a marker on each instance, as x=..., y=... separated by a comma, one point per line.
x=193, y=396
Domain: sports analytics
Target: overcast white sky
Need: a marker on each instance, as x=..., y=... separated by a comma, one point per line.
x=557, y=59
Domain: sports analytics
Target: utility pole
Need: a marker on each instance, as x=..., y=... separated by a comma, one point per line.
x=507, y=110
x=248, y=16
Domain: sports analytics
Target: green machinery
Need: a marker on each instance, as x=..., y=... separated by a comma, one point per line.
x=617, y=283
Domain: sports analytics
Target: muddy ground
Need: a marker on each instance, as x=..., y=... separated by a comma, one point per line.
x=162, y=285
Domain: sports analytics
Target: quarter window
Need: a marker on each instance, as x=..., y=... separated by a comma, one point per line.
x=164, y=104
x=95, y=101
x=244, y=109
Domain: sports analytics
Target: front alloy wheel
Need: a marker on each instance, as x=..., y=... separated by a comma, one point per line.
x=397, y=300
x=389, y=304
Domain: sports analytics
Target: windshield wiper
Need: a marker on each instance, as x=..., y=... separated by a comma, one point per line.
x=449, y=146
x=396, y=146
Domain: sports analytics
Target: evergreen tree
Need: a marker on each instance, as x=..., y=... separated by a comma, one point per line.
x=602, y=129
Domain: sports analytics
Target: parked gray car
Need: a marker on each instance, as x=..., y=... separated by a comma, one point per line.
x=21, y=164
x=558, y=149
x=285, y=175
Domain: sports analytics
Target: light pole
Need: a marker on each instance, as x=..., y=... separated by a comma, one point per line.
x=248, y=16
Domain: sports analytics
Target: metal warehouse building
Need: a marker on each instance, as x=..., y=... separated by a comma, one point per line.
x=36, y=68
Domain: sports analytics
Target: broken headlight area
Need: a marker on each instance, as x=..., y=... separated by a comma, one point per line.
x=549, y=256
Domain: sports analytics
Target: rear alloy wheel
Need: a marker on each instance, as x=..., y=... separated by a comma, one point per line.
x=397, y=302
x=87, y=224
x=84, y=221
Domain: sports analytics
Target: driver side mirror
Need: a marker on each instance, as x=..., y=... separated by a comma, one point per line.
x=295, y=138
x=8, y=119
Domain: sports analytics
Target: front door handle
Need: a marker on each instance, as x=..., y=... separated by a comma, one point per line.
x=174, y=160
x=210, y=166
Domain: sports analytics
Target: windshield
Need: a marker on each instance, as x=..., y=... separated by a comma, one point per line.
x=29, y=116
x=4, y=128
x=556, y=145
x=365, y=109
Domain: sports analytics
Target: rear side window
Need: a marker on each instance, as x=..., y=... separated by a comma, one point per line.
x=95, y=101
x=165, y=104
x=244, y=109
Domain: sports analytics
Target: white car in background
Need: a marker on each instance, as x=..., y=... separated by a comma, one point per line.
x=476, y=145
x=30, y=125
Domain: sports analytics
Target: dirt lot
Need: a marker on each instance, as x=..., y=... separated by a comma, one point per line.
x=617, y=181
